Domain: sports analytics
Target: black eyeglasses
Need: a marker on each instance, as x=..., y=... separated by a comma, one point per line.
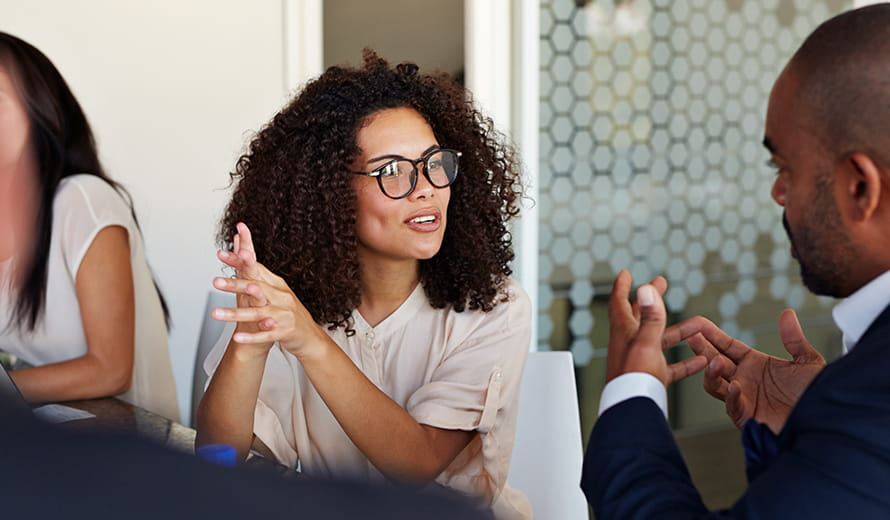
x=398, y=177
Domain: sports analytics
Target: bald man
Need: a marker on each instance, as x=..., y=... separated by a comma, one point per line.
x=819, y=434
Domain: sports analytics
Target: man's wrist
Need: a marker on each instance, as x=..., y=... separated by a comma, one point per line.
x=630, y=385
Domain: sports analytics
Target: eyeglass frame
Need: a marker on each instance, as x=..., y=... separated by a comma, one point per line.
x=376, y=172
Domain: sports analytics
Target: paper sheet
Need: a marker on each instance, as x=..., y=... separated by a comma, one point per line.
x=57, y=413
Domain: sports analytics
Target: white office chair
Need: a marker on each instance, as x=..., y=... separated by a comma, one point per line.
x=210, y=331
x=547, y=455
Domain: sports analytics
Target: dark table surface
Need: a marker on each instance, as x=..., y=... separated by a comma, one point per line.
x=117, y=415
x=112, y=414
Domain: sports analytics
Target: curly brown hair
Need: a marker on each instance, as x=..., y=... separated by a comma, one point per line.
x=293, y=181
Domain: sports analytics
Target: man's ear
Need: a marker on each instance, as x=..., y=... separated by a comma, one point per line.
x=862, y=185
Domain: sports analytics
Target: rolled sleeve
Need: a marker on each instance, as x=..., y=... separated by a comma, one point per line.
x=476, y=388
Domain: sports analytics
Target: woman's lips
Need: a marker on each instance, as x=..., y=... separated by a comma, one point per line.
x=425, y=221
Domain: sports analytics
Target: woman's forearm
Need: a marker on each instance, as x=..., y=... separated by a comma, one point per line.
x=106, y=300
x=86, y=377
x=225, y=414
x=386, y=433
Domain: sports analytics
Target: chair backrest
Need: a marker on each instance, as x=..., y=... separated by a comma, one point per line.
x=210, y=332
x=547, y=454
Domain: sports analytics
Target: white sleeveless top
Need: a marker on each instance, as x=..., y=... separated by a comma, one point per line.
x=83, y=206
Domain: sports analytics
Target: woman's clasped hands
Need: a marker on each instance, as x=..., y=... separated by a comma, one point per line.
x=267, y=310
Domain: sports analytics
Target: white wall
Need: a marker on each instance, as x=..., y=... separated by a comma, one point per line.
x=173, y=90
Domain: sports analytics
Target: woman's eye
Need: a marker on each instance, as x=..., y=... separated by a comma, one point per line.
x=390, y=170
x=434, y=165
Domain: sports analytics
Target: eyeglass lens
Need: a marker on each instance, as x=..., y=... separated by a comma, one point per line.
x=399, y=177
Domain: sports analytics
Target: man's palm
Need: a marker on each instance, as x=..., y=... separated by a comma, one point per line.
x=766, y=388
x=751, y=383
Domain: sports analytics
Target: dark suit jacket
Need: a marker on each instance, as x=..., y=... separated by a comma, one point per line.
x=50, y=473
x=833, y=457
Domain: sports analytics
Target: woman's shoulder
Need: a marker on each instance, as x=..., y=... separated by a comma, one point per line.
x=85, y=185
x=88, y=193
x=512, y=308
x=504, y=330
x=516, y=302
x=514, y=292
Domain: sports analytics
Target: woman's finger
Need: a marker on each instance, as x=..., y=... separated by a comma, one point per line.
x=257, y=337
x=246, y=251
x=230, y=259
x=266, y=324
x=244, y=314
x=256, y=295
x=270, y=278
x=246, y=240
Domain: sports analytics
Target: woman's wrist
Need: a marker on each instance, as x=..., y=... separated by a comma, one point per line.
x=250, y=352
x=314, y=348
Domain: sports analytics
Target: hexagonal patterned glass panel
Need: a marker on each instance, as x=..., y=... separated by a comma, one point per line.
x=652, y=118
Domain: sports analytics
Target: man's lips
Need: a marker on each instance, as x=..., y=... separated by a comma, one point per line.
x=787, y=227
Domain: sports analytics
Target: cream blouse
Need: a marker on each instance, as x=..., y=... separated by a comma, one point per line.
x=451, y=370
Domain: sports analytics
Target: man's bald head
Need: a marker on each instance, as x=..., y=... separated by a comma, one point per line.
x=843, y=73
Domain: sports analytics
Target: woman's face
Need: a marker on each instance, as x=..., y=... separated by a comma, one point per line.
x=17, y=178
x=407, y=229
x=14, y=126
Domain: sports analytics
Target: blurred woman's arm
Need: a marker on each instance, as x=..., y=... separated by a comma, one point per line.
x=105, y=295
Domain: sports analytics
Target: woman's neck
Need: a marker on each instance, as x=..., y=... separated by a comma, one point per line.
x=385, y=287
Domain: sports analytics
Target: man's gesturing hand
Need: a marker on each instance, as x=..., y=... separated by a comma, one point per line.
x=751, y=383
x=636, y=333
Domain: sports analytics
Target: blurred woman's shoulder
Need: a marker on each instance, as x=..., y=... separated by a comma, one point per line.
x=88, y=193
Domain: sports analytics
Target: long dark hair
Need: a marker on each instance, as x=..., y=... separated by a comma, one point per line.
x=294, y=189
x=63, y=145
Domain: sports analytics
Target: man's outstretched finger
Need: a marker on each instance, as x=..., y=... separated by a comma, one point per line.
x=701, y=346
x=619, y=304
x=652, y=318
x=792, y=336
x=724, y=343
x=738, y=407
x=687, y=367
x=715, y=382
x=660, y=284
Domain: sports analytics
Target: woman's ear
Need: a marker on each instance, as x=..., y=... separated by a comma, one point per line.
x=863, y=185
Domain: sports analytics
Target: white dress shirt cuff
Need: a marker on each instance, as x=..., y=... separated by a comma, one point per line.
x=634, y=384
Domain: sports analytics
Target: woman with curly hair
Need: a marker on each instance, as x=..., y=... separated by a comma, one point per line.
x=382, y=333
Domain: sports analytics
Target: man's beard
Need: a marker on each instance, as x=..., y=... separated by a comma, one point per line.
x=823, y=250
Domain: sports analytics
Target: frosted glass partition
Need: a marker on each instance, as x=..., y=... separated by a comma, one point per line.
x=651, y=122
